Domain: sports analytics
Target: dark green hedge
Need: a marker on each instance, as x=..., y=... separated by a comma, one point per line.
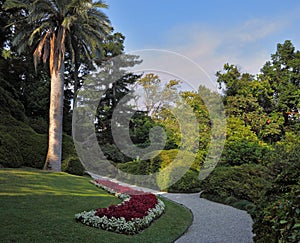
x=73, y=165
x=236, y=185
x=277, y=215
x=189, y=182
x=243, y=152
x=20, y=145
x=10, y=154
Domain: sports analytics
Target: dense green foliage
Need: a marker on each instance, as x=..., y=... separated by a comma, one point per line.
x=20, y=145
x=260, y=165
x=277, y=215
x=232, y=184
x=73, y=165
x=185, y=161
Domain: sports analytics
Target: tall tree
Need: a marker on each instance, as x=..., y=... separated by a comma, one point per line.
x=251, y=99
x=284, y=74
x=156, y=93
x=50, y=24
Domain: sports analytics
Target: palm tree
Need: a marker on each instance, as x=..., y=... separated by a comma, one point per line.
x=51, y=27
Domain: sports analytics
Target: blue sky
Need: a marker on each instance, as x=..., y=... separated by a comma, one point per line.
x=211, y=32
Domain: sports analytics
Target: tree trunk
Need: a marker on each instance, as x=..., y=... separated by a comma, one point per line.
x=76, y=73
x=76, y=84
x=53, y=159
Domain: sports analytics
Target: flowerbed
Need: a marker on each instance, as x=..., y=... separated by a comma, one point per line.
x=135, y=213
x=115, y=188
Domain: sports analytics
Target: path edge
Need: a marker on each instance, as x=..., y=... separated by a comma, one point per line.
x=180, y=204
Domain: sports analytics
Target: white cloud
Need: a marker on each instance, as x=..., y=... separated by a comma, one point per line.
x=248, y=45
x=211, y=47
x=257, y=29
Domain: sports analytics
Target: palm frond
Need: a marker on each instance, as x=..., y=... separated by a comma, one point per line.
x=59, y=49
x=61, y=6
x=33, y=34
x=52, y=50
x=86, y=50
x=68, y=21
x=22, y=47
x=10, y=4
x=71, y=46
x=20, y=39
x=38, y=50
x=46, y=50
x=99, y=4
x=43, y=6
x=54, y=25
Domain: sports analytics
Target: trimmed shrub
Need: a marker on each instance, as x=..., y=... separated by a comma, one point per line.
x=30, y=146
x=10, y=155
x=22, y=143
x=111, y=152
x=73, y=166
x=136, y=167
x=68, y=147
x=33, y=147
x=243, y=152
x=39, y=125
x=245, y=182
x=165, y=159
x=189, y=182
x=277, y=215
x=9, y=105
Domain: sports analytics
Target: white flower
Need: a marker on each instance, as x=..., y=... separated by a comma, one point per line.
x=120, y=225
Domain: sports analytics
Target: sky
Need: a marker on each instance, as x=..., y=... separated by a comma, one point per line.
x=208, y=33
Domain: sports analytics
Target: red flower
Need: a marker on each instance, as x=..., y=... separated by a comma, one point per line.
x=137, y=206
x=118, y=188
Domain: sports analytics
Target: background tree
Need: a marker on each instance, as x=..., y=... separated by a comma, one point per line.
x=117, y=92
x=251, y=100
x=154, y=93
x=283, y=73
x=49, y=25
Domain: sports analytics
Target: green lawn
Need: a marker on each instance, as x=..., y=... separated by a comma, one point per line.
x=39, y=206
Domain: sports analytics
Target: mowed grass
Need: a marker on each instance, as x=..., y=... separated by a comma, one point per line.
x=39, y=206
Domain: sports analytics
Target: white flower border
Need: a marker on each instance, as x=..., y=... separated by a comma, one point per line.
x=120, y=225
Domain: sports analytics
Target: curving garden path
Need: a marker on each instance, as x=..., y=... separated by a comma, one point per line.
x=212, y=223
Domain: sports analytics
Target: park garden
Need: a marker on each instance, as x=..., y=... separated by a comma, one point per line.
x=46, y=56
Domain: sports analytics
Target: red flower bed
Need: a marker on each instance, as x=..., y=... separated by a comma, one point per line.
x=136, y=207
x=118, y=188
x=134, y=214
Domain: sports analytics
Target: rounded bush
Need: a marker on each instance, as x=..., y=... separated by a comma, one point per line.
x=112, y=152
x=166, y=157
x=73, y=165
x=189, y=182
x=27, y=144
x=245, y=182
x=10, y=155
x=242, y=152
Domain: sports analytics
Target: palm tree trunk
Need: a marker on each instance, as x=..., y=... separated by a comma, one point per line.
x=53, y=159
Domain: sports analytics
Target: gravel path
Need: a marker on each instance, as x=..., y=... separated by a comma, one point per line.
x=212, y=223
